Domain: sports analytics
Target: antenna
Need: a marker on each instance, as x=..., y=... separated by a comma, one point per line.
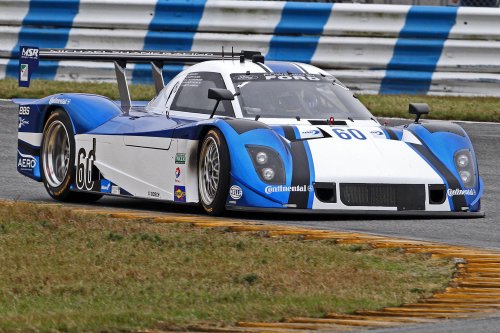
x=232, y=53
x=222, y=52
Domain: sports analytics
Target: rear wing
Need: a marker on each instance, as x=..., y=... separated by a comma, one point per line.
x=29, y=58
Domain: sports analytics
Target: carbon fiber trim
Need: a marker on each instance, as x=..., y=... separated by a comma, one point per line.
x=363, y=213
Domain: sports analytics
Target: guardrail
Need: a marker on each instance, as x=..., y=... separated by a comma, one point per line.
x=373, y=48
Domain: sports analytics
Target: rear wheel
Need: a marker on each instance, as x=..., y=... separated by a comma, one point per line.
x=58, y=159
x=213, y=173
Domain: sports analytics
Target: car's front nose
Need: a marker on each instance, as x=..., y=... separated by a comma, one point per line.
x=354, y=169
x=374, y=174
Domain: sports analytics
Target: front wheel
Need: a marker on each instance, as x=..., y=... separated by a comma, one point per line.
x=213, y=173
x=58, y=159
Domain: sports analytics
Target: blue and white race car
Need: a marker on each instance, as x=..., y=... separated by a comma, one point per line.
x=237, y=132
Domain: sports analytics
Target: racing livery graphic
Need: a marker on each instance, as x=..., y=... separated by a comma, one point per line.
x=238, y=132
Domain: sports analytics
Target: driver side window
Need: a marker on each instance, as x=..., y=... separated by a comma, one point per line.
x=192, y=95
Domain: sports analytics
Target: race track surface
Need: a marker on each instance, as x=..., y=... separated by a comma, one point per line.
x=481, y=232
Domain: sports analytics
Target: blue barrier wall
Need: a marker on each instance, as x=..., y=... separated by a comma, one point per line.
x=380, y=48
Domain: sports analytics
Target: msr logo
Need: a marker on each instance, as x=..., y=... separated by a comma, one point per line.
x=29, y=53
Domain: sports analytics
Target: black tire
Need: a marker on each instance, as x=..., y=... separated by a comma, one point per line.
x=58, y=186
x=217, y=205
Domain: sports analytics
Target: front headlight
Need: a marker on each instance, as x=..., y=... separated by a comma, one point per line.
x=267, y=164
x=261, y=158
x=466, y=167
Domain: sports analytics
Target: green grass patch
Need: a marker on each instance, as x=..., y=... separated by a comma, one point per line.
x=74, y=272
x=41, y=88
x=442, y=107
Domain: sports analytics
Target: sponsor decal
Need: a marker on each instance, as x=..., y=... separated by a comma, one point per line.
x=24, y=73
x=26, y=162
x=179, y=193
x=377, y=132
x=28, y=63
x=153, y=194
x=23, y=122
x=284, y=188
x=180, y=158
x=115, y=190
x=177, y=172
x=105, y=186
x=57, y=100
x=235, y=192
x=469, y=191
x=86, y=173
x=24, y=110
x=310, y=132
x=289, y=77
x=246, y=77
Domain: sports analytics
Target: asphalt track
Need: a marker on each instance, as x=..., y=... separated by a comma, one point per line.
x=480, y=232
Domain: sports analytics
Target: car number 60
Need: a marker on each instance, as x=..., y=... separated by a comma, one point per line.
x=349, y=134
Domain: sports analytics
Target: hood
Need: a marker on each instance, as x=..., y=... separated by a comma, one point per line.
x=362, y=154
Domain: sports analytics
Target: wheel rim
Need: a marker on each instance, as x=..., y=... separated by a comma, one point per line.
x=209, y=171
x=56, y=154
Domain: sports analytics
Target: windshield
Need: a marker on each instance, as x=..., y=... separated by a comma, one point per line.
x=307, y=96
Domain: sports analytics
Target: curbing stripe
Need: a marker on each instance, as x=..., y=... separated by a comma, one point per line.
x=382, y=318
x=474, y=290
x=348, y=322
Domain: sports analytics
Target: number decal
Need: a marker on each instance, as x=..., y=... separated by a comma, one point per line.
x=356, y=134
x=342, y=134
x=85, y=177
x=349, y=134
x=80, y=169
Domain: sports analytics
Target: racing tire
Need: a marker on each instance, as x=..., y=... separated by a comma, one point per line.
x=57, y=159
x=213, y=173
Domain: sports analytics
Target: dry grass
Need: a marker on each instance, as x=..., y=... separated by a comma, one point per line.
x=442, y=107
x=72, y=272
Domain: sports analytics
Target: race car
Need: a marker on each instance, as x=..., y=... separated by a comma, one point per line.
x=239, y=132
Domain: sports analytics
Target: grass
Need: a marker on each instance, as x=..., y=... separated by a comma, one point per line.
x=74, y=272
x=442, y=107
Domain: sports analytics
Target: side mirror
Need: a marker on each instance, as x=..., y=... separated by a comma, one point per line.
x=219, y=95
x=418, y=109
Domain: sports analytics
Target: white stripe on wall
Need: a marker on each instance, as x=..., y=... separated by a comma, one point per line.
x=240, y=16
x=133, y=14
x=356, y=19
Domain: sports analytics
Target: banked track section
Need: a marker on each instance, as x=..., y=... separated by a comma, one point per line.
x=474, y=290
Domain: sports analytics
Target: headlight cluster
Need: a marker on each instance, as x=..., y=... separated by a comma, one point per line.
x=267, y=164
x=466, y=167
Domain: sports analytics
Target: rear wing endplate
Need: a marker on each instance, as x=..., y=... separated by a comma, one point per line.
x=30, y=56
